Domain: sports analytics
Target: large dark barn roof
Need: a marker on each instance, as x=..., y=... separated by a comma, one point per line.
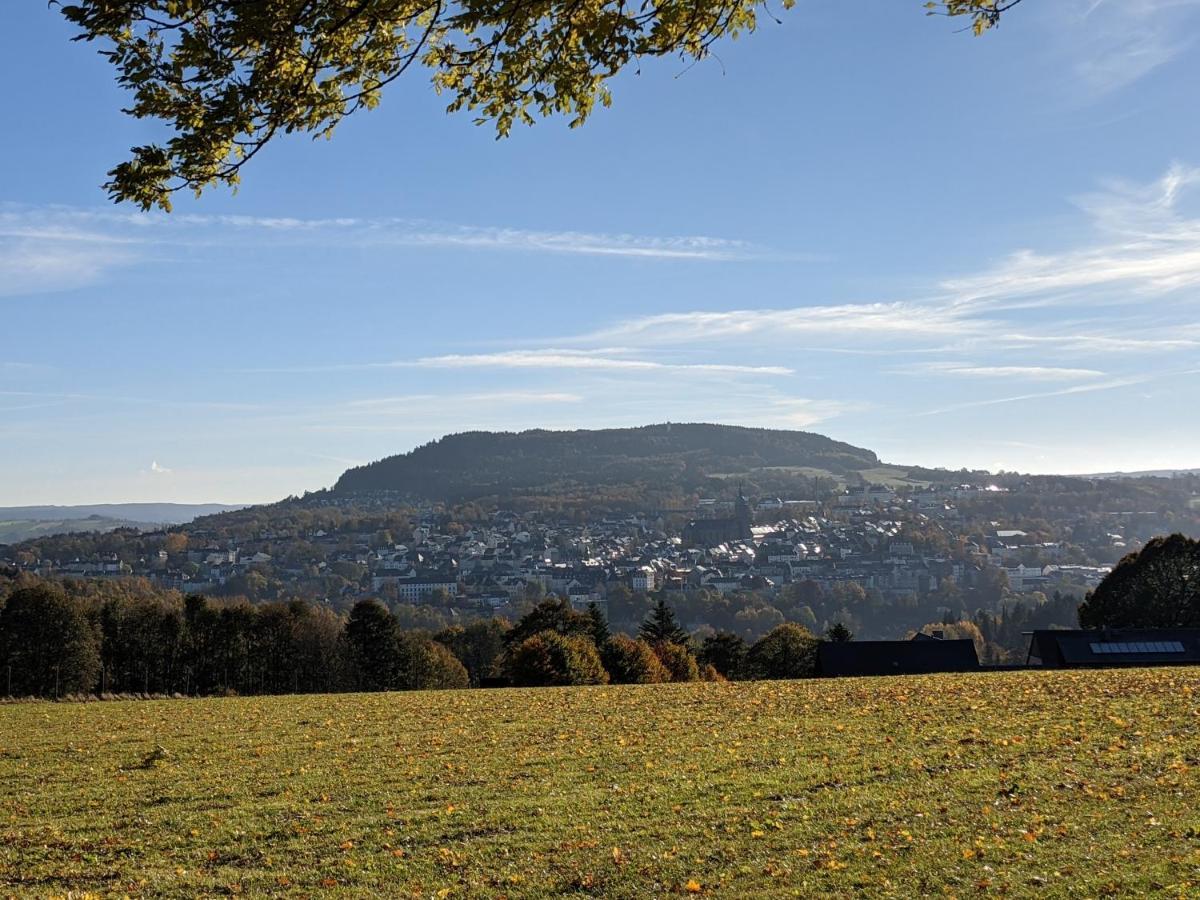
x=896, y=657
x=1124, y=647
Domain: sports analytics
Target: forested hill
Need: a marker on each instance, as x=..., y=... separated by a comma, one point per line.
x=479, y=463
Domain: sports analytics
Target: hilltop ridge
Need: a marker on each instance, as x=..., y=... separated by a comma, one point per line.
x=479, y=463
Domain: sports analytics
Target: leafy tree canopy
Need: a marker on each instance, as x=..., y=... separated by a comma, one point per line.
x=632, y=662
x=724, y=651
x=788, y=651
x=229, y=75
x=550, y=658
x=678, y=660
x=46, y=645
x=553, y=614
x=1159, y=587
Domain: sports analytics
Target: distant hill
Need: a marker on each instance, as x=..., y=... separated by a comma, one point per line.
x=1147, y=473
x=477, y=464
x=20, y=523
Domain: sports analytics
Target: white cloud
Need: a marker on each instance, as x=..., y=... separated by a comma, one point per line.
x=1089, y=344
x=1131, y=281
x=1113, y=43
x=1031, y=373
x=420, y=233
x=1028, y=279
x=1110, y=385
x=799, y=412
x=58, y=248
x=897, y=319
x=1145, y=245
x=580, y=359
x=37, y=266
x=156, y=469
x=677, y=248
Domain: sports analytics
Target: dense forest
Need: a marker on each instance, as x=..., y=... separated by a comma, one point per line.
x=679, y=457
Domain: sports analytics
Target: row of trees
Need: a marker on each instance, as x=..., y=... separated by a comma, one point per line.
x=125, y=637
x=555, y=644
x=58, y=640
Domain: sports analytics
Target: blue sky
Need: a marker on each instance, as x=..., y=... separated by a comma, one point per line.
x=954, y=251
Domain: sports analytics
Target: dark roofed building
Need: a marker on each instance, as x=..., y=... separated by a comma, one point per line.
x=1105, y=648
x=711, y=532
x=915, y=657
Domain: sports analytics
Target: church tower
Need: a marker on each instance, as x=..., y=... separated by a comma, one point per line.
x=741, y=515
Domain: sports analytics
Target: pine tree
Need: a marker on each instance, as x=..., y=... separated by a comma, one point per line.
x=838, y=634
x=661, y=626
x=599, y=624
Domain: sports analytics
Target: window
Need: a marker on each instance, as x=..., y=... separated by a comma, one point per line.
x=1137, y=647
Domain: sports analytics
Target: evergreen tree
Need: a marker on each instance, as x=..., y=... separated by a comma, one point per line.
x=599, y=624
x=838, y=633
x=661, y=626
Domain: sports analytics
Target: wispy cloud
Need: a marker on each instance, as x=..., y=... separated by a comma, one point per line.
x=1109, y=385
x=598, y=360
x=1030, y=373
x=642, y=247
x=61, y=248
x=897, y=319
x=1113, y=43
x=398, y=232
x=36, y=266
x=799, y=412
x=1144, y=245
x=1141, y=244
x=1169, y=339
x=580, y=359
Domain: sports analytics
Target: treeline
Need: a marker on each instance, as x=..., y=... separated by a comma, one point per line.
x=61, y=640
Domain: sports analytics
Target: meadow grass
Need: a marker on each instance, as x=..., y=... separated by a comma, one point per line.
x=1080, y=783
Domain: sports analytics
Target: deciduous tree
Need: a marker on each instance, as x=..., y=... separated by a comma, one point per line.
x=47, y=647
x=228, y=76
x=1158, y=587
x=630, y=661
x=788, y=651
x=724, y=651
x=550, y=658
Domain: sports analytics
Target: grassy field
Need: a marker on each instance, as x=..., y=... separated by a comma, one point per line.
x=1015, y=783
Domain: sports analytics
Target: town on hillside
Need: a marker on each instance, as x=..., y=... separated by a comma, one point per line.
x=881, y=561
